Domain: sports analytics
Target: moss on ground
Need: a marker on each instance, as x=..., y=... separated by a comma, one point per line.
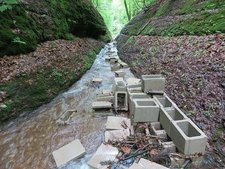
x=164, y=7
x=28, y=91
x=23, y=27
x=205, y=23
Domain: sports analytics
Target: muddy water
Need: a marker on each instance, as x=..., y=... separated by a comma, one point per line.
x=27, y=143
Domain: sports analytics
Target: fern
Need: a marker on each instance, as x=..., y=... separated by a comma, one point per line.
x=7, y=4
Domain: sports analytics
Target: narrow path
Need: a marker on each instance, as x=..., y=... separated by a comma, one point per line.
x=29, y=141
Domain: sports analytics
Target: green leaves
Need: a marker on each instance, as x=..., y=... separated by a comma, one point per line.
x=18, y=40
x=7, y=4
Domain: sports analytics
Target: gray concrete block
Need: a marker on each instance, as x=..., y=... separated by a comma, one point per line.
x=153, y=83
x=120, y=73
x=146, y=164
x=105, y=98
x=131, y=103
x=145, y=110
x=157, y=129
x=133, y=90
x=115, y=67
x=164, y=101
x=167, y=115
x=187, y=137
x=121, y=100
x=119, y=85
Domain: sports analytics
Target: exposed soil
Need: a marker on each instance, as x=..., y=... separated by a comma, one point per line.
x=194, y=67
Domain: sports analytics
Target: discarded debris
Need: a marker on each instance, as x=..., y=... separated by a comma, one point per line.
x=101, y=105
x=68, y=152
x=97, y=80
x=104, y=153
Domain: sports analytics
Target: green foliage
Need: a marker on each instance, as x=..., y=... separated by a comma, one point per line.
x=164, y=7
x=205, y=23
x=7, y=4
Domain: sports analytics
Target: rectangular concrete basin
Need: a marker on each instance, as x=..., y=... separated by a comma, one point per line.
x=187, y=137
x=167, y=115
x=145, y=110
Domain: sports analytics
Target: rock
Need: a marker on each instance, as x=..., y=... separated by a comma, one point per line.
x=3, y=106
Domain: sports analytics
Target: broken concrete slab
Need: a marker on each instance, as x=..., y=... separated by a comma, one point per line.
x=153, y=83
x=117, y=123
x=133, y=81
x=145, y=110
x=120, y=73
x=157, y=129
x=146, y=164
x=121, y=100
x=106, y=92
x=169, y=146
x=105, y=98
x=97, y=80
x=103, y=153
x=136, y=166
x=101, y=105
x=66, y=116
x=68, y=152
x=187, y=137
x=117, y=135
x=115, y=67
x=167, y=115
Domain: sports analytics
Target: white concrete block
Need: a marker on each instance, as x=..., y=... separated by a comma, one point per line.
x=153, y=83
x=120, y=73
x=103, y=153
x=145, y=110
x=146, y=164
x=117, y=135
x=121, y=100
x=68, y=152
x=101, y=105
x=187, y=137
x=117, y=123
x=164, y=101
x=167, y=115
x=133, y=81
x=97, y=80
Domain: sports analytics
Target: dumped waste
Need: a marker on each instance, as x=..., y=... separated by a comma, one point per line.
x=146, y=129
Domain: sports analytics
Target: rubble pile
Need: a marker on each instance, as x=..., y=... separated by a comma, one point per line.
x=147, y=130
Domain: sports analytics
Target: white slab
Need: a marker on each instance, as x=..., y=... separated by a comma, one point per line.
x=97, y=80
x=133, y=81
x=68, y=152
x=116, y=123
x=117, y=135
x=150, y=165
x=103, y=153
x=101, y=105
x=136, y=166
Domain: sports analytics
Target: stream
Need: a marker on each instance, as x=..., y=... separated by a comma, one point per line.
x=28, y=142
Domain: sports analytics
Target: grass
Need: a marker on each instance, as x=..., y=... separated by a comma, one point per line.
x=164, y=7
x=28, y=91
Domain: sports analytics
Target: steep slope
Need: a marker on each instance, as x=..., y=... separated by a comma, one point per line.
x=184, y=41
x=30, y=22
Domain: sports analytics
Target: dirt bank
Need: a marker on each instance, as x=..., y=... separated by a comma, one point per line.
x=30, y=80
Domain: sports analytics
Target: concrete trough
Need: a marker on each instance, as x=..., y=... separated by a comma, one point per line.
x=153, y=83
x=188, y=138
x=164, y=101
x=133, y=90
x=145, y=110
x=167, y=115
